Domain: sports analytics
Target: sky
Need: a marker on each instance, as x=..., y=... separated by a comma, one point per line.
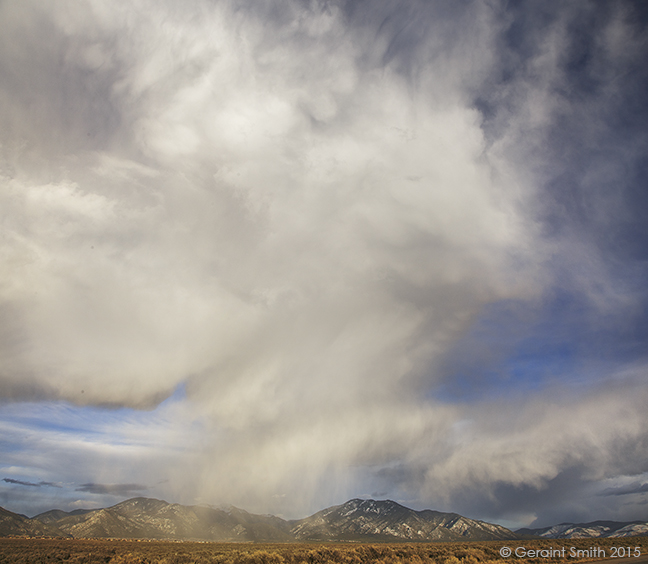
x=283, y=254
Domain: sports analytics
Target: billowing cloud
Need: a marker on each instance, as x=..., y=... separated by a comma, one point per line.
x=327, y=225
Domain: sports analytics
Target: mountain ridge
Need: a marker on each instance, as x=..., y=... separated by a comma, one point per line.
x=360, y=520
x=15, y=524
x=592, y=529
x=356, y=520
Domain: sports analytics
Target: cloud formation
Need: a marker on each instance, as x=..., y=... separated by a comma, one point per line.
x=113, y=489
x=364, y=240
x=38, y=485
x=633, y=488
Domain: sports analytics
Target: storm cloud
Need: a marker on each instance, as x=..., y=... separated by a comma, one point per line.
x=633, y=488
x=290, y=253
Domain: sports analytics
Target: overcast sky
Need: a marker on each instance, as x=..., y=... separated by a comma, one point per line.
x=283, y=254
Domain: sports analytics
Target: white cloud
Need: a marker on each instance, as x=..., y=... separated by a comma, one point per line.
x=265, y=209
x=248, y=223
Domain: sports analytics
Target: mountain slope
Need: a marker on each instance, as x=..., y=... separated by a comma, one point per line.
x=595, y=529
x=13, y=524
x=387, y=520
x=156, y=519
x=56, y=515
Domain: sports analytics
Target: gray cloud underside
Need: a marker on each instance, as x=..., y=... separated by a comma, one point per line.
x=295, y=212
x=113, y=489
x=634, y=488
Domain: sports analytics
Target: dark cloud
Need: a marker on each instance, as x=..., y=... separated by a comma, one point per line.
x=36, y=485
x=634, y=488
x=548, y=500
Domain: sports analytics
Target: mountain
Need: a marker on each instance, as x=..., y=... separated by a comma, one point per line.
x=56, y=515
x=155, y=519
x=13, y=524
x=367, y=519
x=595, y=529
x=358, y=519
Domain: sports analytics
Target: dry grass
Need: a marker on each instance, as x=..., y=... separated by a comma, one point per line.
x=82, y=551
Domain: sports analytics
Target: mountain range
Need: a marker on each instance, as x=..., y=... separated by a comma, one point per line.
x=356, y=520
x=595, y=529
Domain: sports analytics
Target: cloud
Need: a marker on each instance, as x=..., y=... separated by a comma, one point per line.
x=279, y=169
x=38, y=485
x=350, y=233
x=255, y=175
x=633, y=488
x=112, y=489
